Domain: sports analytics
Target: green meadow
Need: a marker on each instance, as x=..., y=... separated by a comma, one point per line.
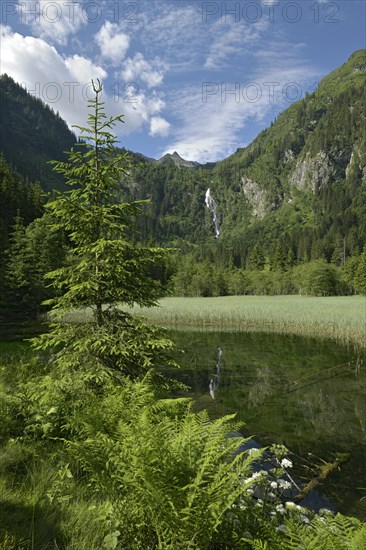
x=339, y=317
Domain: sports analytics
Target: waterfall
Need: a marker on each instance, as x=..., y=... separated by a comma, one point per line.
x=215, y=380
x=211, y=205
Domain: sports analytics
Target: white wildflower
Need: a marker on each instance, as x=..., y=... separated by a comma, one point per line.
x=286, y=463
x=252, y=450
x=290, y=504
x=280, y=509
x=274, y=484
x=254, y=476
x=325, y=512
x=283, y=484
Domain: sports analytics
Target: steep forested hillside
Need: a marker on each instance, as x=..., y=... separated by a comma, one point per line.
x=17, y=197
x=301, y=183
x=303, y=179
x=177, y=195
x=31, y=134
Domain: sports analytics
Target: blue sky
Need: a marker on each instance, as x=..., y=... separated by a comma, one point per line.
x=199, y=78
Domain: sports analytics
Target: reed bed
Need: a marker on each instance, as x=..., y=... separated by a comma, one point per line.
x=342, y=318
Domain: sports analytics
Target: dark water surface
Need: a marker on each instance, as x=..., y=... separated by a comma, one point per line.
x=309, y=394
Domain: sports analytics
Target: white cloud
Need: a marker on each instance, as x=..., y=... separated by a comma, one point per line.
x=282, y=63
x=188, y=40
x=112, y=42
x=170, y=43
x=137, y=68
x=45, y=73
x=210, y=130
x=83, y=70
x=64, y=83
x=159, y=126
x=212, y=121
x=54, y=20
x=175, y=30
x=230, y=39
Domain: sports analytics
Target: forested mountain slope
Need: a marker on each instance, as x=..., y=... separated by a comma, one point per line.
x=301, y=184
x=17, y=197
x=303, y=180
x=31, y=134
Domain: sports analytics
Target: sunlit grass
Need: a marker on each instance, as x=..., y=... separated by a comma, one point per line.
x=342, y=318
x=30, y=520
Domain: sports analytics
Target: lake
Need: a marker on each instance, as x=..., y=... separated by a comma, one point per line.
x=306, y=393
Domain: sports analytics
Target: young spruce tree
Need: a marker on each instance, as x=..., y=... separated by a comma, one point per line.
x=105, y=271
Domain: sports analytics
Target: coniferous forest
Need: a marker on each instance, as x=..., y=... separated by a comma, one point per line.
x=99, y=446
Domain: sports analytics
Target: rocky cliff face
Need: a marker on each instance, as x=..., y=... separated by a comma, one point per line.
x=312, y=173
x=357, y=163
x=315, y=144
x=256, y=196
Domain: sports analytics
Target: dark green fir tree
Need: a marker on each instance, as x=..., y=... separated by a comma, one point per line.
x=106, y=271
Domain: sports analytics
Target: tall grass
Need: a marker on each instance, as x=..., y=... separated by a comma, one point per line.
x=342, y=318
x=29, y=521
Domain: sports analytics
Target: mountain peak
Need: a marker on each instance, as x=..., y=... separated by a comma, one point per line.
x=177, y=160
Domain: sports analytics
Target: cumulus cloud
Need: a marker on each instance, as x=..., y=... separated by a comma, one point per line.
x=159, y=126
x=54, y=21
x=84, y=70
x=64, y=83
x=112, y=42
x=45, y=73
x=138, y=68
